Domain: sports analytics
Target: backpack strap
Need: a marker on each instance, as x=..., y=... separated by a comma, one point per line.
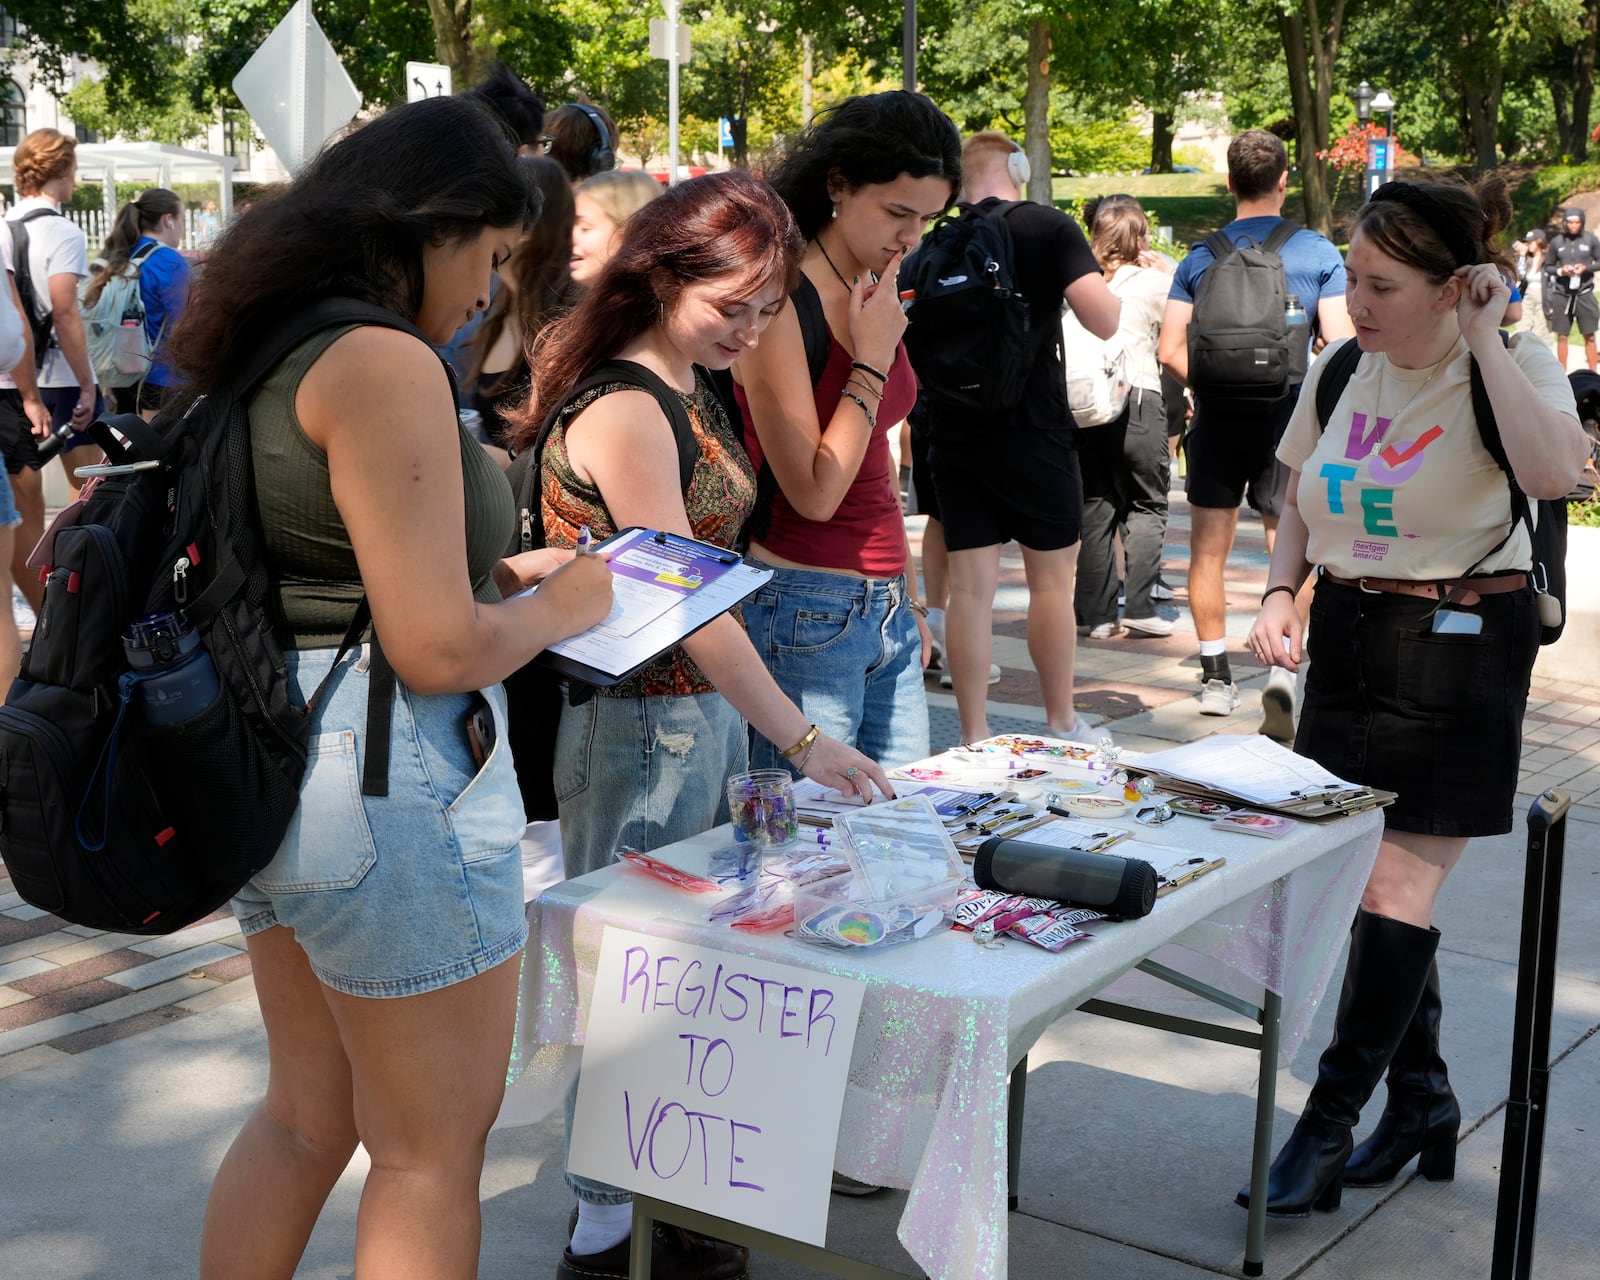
x=1337, y=370
x=1220, y=245
x=1280, y=236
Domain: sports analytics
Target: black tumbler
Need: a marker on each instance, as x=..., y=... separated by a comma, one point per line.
x=1124, y=887
x=53, y=443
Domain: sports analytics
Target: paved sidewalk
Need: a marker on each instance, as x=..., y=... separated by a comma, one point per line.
x=127, y=1064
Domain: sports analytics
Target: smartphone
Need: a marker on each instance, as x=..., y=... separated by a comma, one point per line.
x=1453, y=622
x=480, y=735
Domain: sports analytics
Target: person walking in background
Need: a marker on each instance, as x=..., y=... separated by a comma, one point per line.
x=695, y=283
x=603, y=205
x=582, y=139
x=1419, y=678
x=1569, y=301
x=536, y=289
x=838, y=623
x=504, y=92
x=1016, y=476
x=15, y=348
x=1231, y=444
x=1126, y=466
x=145, y=238
x=1531, y=268
x=50, y=257
x=384, y=935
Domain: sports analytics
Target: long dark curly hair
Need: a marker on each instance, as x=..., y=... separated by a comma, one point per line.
x=353, y=224
x=866, y=140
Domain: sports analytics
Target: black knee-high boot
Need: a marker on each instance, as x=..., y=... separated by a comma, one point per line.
x=1422, y=1116
x=1383, y=980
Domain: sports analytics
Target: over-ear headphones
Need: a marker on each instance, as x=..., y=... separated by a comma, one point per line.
x=1018, y=167
x=601, y=155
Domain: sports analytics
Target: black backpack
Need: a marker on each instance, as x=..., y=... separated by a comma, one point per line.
x=1548, y=537
x=1241, y=350
x=43, y=326
x=970, y=337
x=533, y=692
x=106, y=820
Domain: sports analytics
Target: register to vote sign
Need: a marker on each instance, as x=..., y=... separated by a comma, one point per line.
x=714, y=1081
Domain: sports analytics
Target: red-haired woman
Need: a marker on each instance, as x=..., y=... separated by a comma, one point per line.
x=700, y=273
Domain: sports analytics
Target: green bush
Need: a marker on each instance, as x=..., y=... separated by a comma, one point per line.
x=1540, y=194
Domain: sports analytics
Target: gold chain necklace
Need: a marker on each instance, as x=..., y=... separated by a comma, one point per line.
x=1382, y=370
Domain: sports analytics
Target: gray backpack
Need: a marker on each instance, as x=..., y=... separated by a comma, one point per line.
x=1241, y=348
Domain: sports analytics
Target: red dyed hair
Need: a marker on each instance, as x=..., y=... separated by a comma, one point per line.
x=725, y=226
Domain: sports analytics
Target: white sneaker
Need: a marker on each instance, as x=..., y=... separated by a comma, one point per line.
x=1104, y=631
x=1082, y=731
x=1161, y=591
x=948, y=681
x=1277, y=707
x=1218, y=698
x=1151, y=626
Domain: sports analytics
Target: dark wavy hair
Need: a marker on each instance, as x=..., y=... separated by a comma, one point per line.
x=725, y=226
x=353, y=224
x=541, y=268
x=1438, y=226
x=870, y=139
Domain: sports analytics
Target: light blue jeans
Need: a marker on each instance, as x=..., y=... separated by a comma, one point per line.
x=848, y=652
x=641, y=773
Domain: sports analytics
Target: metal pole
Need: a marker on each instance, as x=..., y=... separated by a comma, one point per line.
x=672, y=92
x=908, y=48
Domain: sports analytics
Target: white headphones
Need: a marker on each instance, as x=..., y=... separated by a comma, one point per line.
x=1018, y=167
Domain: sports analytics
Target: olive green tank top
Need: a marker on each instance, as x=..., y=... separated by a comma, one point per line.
x=316, y=583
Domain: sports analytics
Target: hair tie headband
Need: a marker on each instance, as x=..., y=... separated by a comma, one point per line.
x=1435, y=212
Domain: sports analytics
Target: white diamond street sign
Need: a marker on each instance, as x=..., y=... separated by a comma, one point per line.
x=295, y=88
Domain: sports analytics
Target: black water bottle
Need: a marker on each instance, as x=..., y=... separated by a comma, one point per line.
x=53, y=443
x=1120, y=886
x=173, y=676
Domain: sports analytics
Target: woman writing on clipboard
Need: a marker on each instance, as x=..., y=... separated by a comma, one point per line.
x=700, y=273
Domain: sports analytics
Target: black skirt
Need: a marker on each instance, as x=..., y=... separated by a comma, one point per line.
x=1435, y=718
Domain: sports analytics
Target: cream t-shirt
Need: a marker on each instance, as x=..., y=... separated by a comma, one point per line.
x=1400, y=485
x=1143, y=291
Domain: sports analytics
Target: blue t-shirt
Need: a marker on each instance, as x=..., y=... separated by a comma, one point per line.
x=1313, y=265
x=163, y=288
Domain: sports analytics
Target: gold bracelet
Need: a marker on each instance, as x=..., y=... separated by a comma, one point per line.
x=811, y=736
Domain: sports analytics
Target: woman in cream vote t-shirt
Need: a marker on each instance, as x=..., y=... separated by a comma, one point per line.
x=1423, y=632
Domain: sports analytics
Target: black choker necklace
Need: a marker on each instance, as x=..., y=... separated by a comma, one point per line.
x=822, y=249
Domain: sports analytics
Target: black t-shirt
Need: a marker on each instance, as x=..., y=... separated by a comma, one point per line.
x=1049, y=252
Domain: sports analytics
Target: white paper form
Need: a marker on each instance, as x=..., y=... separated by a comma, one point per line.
x=1256, y=769
x=664, y=587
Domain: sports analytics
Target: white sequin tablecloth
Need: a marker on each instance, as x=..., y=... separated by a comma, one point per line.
x=944, y=1021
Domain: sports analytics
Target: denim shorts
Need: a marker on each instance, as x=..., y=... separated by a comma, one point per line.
x=848, y=652
x=10, y=517
x=405, y=893
x=1436, y=718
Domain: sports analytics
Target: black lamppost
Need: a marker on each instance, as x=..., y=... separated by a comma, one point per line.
x=1380, y=151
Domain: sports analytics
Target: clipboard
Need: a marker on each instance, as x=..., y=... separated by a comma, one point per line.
x=1318, y=806
x=665, y=588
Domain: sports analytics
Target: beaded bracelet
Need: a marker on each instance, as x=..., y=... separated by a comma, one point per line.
x=862, y=365
x=800, y=764
x=872, y=418
x=809, y=739
x=1282, y=586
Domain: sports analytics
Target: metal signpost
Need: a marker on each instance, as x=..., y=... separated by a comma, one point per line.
x=428, y=80
x=670, y=40
x=295, y=88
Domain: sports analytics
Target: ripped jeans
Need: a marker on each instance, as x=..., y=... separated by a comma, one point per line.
x=643, y=772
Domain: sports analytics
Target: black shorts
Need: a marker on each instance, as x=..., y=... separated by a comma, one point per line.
x=141, y=397
x=922, y=487
x=16, y=432
x=1436, y=718
x=1022, y=484
x=1562, y=307
x=1233, y=455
